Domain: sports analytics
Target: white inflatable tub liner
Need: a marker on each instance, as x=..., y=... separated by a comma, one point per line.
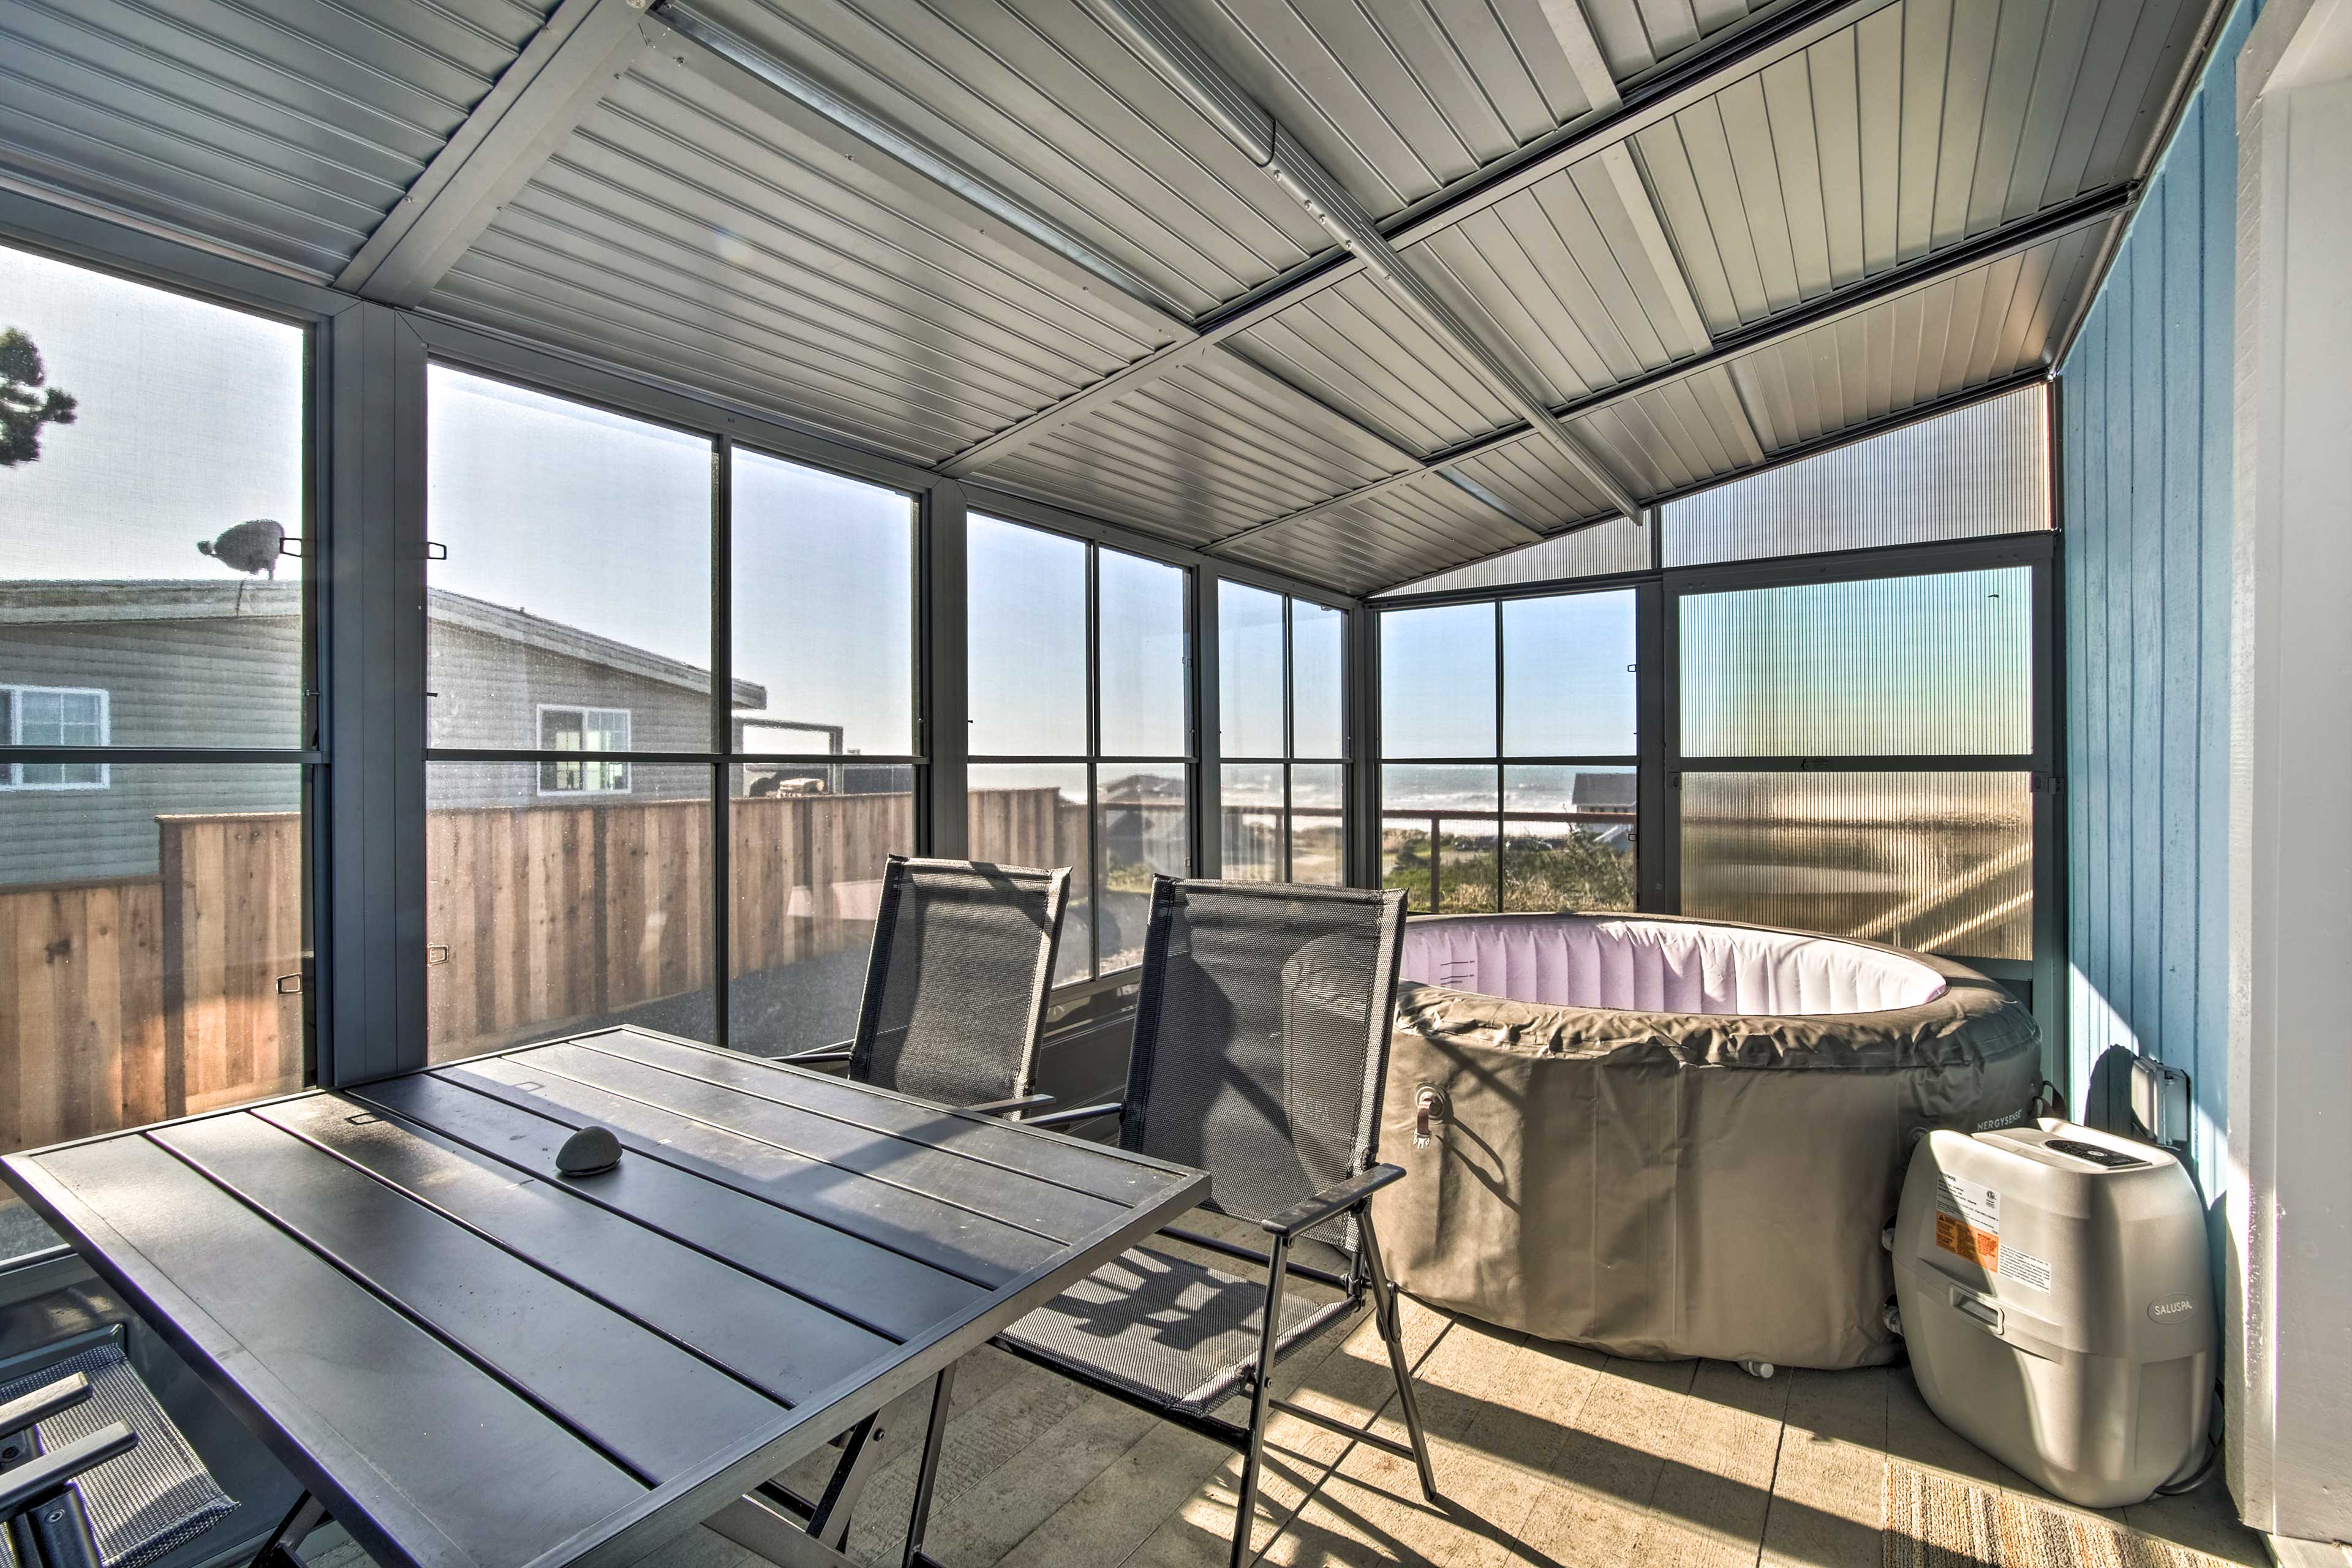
x=1669, y=1138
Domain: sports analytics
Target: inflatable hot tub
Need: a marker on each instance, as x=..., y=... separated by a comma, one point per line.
x=1669, y=1138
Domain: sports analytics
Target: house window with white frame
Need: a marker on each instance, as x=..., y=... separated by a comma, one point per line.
x=53, y=716
x=584, y=730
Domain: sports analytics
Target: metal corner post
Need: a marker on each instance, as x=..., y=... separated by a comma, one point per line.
x=1363, y=745
x=1208, y=724
x=372, y=1019
x=943, y=827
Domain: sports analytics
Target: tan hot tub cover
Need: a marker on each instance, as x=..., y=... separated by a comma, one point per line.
x=1677, y=1138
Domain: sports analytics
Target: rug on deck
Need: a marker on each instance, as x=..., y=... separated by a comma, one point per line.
x=1941, y=1521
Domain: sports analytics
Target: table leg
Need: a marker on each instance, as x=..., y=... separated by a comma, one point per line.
x=278, y=1552
x=927, y=1477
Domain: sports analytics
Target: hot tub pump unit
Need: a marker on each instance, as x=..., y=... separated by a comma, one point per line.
x=2058, y=1302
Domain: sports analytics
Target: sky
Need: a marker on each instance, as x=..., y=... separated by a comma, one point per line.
x=157, y=458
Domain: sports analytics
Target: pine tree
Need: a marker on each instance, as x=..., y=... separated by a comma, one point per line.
x=25, y=407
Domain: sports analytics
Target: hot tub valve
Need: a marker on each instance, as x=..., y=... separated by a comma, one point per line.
x=1428, y=1105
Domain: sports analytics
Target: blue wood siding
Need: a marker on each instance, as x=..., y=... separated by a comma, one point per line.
x=2145, y=460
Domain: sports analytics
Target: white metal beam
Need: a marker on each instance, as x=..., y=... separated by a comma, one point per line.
x=1161, y=40
x=555, y=83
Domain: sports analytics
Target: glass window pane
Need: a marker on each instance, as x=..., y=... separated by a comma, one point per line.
x=805, y=863
x=1942, y=862
x=146, y=506
x=1036, y=814
x=1317, y=657
x=1549, y=866
x=1143, y=833
x=578, y=569
x=549, y=915
x=190, y=871
x=1249, y=671
x=1576, y=851
x=1443, y=814
x=1252, y=810
x=824, y=617
x=1568, y=676
x=1027, y=641
x=1318, y=851
x=1144, y=665
x=1929, y=666
x=1437, y=682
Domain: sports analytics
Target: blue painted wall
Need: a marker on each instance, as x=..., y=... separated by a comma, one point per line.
x=2145, y=469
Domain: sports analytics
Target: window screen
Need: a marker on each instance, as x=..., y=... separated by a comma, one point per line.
x=1282, y=722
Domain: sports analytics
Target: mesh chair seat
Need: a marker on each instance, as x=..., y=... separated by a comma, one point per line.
x=143, y=1503
x=1171, y=1331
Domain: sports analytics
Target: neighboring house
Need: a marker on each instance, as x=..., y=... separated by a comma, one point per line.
x=198, y=664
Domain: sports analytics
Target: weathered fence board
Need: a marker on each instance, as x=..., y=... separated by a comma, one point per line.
x=125, y=1001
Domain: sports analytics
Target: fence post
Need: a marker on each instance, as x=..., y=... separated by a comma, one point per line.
x=172, y=950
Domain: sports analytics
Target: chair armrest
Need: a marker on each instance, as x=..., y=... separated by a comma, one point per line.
x=1080, y=1114
x=1336, y=1200
x=31, y=1409
x=822, y=1054
x=1018, y=1102
x=38, y=1480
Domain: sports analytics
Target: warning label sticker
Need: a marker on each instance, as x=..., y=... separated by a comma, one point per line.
x=2028, y=1270
x=1967, y=1242
x=1967, y=1221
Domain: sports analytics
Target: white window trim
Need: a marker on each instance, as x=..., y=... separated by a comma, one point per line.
x=13, y=776
x=628, y=736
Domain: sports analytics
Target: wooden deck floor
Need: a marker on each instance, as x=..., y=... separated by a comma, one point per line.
x=1547, y=1455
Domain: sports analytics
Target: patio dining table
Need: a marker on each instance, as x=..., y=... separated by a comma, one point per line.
x=470, y=1360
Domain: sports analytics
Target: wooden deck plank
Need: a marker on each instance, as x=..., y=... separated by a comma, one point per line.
x=1829, y=1501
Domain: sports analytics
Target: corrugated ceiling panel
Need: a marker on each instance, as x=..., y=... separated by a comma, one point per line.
x=1405, y=531
x=1202, y=452
x=1396, y=97
x=281, y=128
x=1353, y=346
x=1560, y=270
x=1930, y=342
x=1041, y=102
x=1617, y=545
x=1923, y=123
x=678, y=228
x=1635, y=34
x=1533, y=478
x=1676, y=433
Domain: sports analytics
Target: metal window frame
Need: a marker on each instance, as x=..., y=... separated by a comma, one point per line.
x=1197, y=761
x=2040, y=552
x=1642, y=587
x=721, y=757
x=1213, y=813
x=96, y=245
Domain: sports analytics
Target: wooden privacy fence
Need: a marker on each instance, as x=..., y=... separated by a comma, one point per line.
x=130, y=999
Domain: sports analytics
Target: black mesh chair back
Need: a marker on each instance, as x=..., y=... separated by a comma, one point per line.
x=955, y=987
x=1261, y=1038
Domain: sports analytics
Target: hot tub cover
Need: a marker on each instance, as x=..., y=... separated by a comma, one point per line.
x=1702, y=1168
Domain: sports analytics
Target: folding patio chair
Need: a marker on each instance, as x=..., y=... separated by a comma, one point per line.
x=93, y=1473
x=1261, y=1041
x=956, y=984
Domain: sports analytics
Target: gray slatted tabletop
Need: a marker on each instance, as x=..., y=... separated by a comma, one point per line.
x=475, y=1363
